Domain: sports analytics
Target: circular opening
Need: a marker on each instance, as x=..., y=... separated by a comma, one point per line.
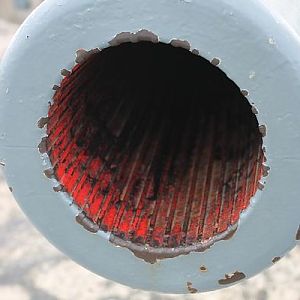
x=155, y=144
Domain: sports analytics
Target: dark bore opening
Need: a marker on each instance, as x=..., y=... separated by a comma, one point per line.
x=155, y=144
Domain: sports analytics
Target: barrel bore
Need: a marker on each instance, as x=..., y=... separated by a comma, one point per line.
x=155, y=144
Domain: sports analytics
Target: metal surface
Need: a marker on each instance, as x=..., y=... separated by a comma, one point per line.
x=259, y=53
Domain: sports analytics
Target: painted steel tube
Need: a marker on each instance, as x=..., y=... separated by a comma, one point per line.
x=249, y=59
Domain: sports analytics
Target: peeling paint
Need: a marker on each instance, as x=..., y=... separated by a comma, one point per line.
x=129, y=37
x=55, y=87
x=232, y=278
x=10, y=188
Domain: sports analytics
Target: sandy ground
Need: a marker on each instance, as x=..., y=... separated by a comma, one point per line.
x=31, y=268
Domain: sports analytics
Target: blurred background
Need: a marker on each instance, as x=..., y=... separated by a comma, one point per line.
x=31, y=268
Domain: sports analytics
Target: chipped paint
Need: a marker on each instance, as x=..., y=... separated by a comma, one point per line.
x=49, y=173
x=232, y=278
x=196, y=52
x=261, y=186
x=266, y=170
x=181, y=44
x=276, y=259
x=87, y=224
x=245, y=93
x=81, y=56
x=58, y=188
x=216, y=61
x=263, y=130
x=43, y=122
x=203, y=269
x=43, y=145
x=190, y=288
x=152, y=255
x=298, y=234
x=254, y=110
x=65, y=72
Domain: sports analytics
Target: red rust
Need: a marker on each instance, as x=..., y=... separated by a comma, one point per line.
x=154, y=144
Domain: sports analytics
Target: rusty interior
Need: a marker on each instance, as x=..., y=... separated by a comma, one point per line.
x=155, y=144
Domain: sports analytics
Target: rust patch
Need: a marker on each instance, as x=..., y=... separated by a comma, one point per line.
x=190, y=288
x=298, y=234
x=87, y=224
x=42, y=122
x=232, y=278
x=203, y=269
x=43, y=145
x=49, y=173
x=263, y=130
x=276, y=259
